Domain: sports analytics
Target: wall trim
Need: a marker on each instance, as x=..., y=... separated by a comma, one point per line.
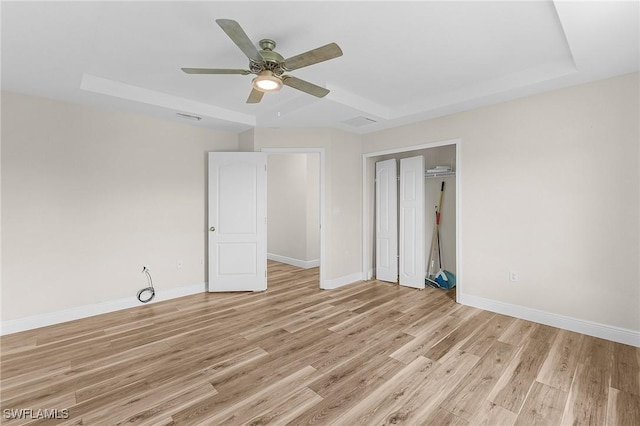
x=342, y=281
x=608, y=332
x=370, y=274
x=43, y=320
x=305, y=264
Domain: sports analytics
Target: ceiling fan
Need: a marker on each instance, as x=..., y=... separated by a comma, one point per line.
x=269, y=66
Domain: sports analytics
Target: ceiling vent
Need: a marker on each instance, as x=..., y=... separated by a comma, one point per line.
x=188, y=116
x=359, y=121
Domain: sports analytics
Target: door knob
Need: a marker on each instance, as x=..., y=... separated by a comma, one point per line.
x=213, y=228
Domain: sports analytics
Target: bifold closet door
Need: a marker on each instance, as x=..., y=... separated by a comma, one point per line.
x=412, y=216
x=387, y=221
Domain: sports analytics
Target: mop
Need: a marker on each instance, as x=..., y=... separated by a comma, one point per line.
x=442, y=279
x=430, y=280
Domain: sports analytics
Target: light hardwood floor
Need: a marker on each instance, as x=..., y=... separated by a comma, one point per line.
x=369, y=353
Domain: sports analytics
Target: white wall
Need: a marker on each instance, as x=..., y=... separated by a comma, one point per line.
x=550, y=189
x=90, y=195
x=293, y=233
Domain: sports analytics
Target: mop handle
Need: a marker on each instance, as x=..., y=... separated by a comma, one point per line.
x=439, y=204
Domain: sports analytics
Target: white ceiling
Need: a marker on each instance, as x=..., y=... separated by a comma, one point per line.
x=402, y=62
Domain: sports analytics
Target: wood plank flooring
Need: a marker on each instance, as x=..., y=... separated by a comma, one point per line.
x=369, y=353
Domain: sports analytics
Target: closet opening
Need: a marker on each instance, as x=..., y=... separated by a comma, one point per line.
x=414, y=203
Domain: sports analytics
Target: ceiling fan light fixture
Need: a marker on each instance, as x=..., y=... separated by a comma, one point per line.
x=266, y=81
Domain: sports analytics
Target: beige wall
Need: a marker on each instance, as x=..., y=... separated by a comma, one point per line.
x=313, y=206
x=89, y=196
x=549, y=189
x=343, y=183
x=293, y=209
x=245, y=141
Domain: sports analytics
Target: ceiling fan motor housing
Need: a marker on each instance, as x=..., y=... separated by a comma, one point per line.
x=272, y=60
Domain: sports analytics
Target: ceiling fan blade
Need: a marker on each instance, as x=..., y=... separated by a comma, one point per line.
x=215, y=71
x=304, y=86
x=314, y=56
x=240, y=38
x=255, y=96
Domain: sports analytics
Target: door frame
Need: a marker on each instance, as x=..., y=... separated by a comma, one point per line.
x=321, y=153
x=367, y=267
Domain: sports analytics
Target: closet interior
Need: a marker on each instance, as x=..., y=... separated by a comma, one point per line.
x=403, y=203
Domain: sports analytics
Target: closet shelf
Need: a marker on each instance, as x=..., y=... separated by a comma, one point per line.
x=434, y=175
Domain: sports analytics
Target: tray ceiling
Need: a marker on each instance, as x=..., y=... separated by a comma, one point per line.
x=402, y=62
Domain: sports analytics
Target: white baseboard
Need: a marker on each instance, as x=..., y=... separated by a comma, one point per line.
x=339, y=282
x=36, y=321
x=305, y=264
x=608, y=332
x=371, y=273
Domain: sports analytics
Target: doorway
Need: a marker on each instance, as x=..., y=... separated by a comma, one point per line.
x=295, y=207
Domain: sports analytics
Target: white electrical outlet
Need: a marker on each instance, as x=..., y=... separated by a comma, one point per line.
x=513, y=276
x=179, y=264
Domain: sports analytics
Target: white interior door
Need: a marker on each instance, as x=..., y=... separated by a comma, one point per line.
x=387, y=221
x=412, y=236
x=237, y=221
